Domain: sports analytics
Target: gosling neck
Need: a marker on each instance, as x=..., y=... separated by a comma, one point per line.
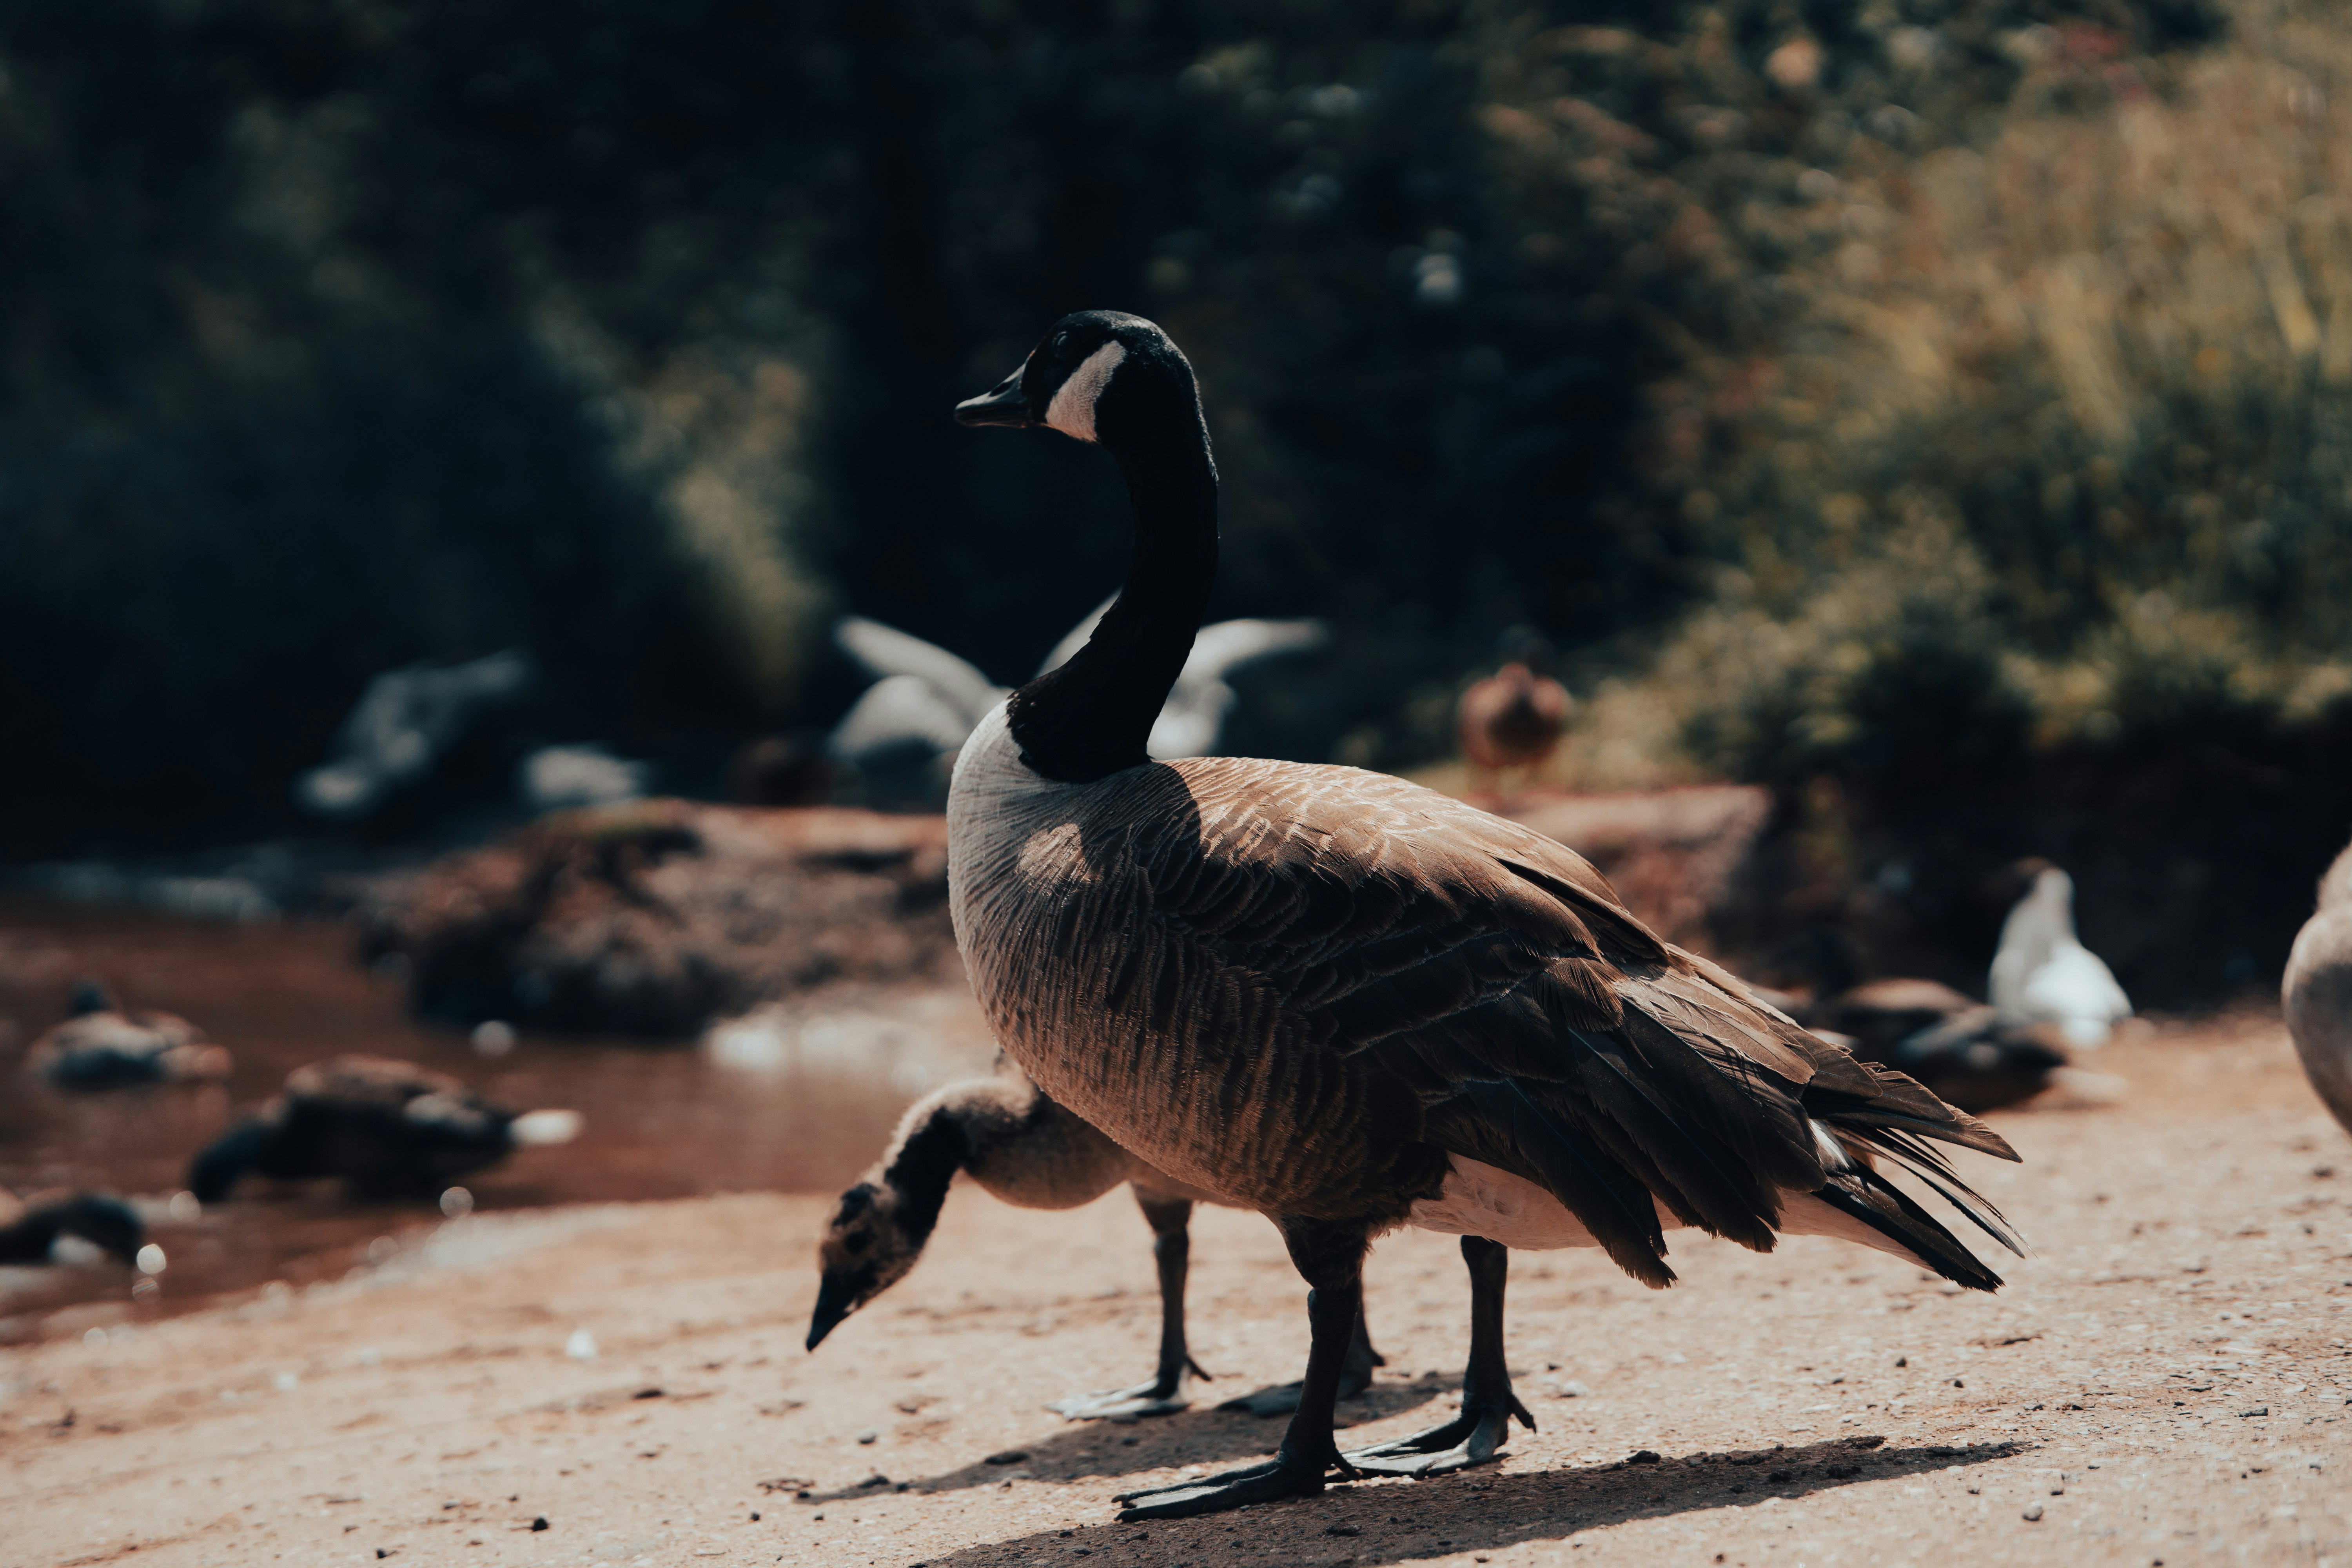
x=919, y=1170
x=1093, y=716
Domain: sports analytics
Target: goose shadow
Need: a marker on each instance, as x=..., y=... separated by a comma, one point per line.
x=1203, y=1435
x=1483, y=1510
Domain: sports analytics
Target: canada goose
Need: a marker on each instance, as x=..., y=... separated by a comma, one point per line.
x=2043, y=973
x=388, y=1129
x=1353, y=1004
x=30, y=1228
x=1969, y=1054
x=2317, y=992
x=102, y=1046
x=1514, y=718
x=1032, y=1153
x=927, y=701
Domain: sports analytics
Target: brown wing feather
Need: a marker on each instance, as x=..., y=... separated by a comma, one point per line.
x=1346, y=973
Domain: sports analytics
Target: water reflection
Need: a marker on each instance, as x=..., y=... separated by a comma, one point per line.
x=799, y=1098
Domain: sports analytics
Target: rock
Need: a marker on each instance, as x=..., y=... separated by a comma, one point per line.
x=2032, y=1512
x=654, y=916
x=557, y=778
x=1676, y=857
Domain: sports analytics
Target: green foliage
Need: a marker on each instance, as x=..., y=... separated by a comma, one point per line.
x=2051, y=445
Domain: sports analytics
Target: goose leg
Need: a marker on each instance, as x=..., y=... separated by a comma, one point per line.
x=1331, y=1257
x=1487, y=1401
x=1354, y=1376
x=1172, y=1248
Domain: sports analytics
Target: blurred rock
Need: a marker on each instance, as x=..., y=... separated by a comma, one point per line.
x=655, y=917
x=557, y=778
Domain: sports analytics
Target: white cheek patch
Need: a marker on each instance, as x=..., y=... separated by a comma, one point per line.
x=1072, y=411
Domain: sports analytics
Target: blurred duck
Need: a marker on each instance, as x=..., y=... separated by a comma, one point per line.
x=1032, y=1153
x=1514, y=718
x=102, y=1046
x=927, y=701
x=2317, y=992
x=1967, y=1053
x=388, y=1129
x=2044, y=973
x=32, y=1229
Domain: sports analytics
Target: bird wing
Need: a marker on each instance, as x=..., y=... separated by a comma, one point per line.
x=886, y=651
x=2075, y=983
x=1417, y=946
x=1221, y=649
x=895, y=711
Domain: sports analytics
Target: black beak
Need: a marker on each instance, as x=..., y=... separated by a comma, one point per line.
x=833, y=1301
x=999, y=405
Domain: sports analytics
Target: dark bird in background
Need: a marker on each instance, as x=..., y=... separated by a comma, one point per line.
x=105, y=1046
x=2317, y=992
x=30, y=1228
x=388, y=1129
x=1031, y=1153
x=781, y=770
x=1967, y=1053
x=1513, y=719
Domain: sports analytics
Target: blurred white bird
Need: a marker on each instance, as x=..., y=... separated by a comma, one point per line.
x=1194, y=714
x=402, y=724
x=927, y=701
x=2043, y=973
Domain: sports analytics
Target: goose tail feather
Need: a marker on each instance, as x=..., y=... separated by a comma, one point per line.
x=1862, y=1193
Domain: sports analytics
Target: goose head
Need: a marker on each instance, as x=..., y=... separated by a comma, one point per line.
x=868, y=1246
x=1114, y=381
x=1095, y=376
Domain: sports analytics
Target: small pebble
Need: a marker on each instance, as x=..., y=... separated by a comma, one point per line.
x=540, y=1522
x=868, y=1435
x=2032, y=1512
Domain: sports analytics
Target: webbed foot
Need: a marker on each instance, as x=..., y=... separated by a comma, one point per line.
x=1282, y=1398
x=1278, y=1478
x=1117, y=1404
x=1471, y=1438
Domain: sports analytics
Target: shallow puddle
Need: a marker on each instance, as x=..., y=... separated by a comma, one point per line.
x=803, y=1106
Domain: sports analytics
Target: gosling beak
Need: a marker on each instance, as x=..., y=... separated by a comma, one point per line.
x=999, y=405
x=835, y=1300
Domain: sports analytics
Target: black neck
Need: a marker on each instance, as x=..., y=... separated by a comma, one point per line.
x=1091, y=716
x=920, y=1169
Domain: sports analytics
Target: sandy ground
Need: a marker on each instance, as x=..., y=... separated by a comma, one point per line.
x=2166, y=1380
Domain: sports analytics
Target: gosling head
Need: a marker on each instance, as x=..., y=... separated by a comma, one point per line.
x=871, y=1243
x=1094, y=374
